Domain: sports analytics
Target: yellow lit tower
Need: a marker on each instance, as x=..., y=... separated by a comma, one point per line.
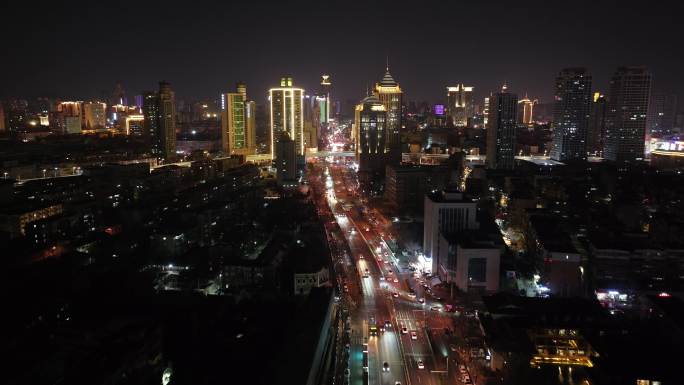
x=237, y=123
x=287, y=113
x=526, y=110
x=390, y=95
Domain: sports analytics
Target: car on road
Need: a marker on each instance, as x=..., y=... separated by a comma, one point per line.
x=367, y=229
x=462, y=369
x=436, y=308
x=412, y=294
x=388, y=324
x=385, y=367
x=395, y=295
x=421, y=365
x=396, y=280
x=360, y=256
x=452, y=347
x=404, y=330
x=421, y=300
x=414, y=336
x=382, y=278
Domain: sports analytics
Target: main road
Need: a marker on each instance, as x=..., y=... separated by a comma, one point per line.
x=408, y=347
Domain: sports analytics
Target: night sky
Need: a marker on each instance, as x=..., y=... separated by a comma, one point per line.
x=80, y=50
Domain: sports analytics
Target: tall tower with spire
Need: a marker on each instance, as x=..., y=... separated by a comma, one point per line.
x=390, y=95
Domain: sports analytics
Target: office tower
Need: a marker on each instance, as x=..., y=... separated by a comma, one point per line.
x=526, y=110
x=445, y=212
x=630, y=89
x=150, y=109
x=501, y=124
x=250, y=121
x=391, y=96
x=597, y=124
x=572, y=101
x=661, y=114
x=485, y=111
x=237, y=123
x=323, y=100
x=460, y=104
x=70, y=116
x=94, y=115
x=285, y=159
x=167, y=121
x=287, y=113
x=370, y=126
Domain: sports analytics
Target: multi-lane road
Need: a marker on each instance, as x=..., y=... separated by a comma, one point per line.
x=411, y=349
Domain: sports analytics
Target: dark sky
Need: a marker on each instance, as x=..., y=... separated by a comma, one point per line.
x=80, y=49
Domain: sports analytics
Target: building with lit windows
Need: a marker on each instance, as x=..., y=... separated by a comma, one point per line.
x=95, y=115
x=287, y=113
x=150, y=109
x=70, y=116
x=285, y=160
x=167, y=120
x=501, y=125
x=390, y=95
x=630, y=89
x=661, y=114
x=572, y=104
x=135, y=125
x=460, y=104
x=370, y=124
x=237, y=123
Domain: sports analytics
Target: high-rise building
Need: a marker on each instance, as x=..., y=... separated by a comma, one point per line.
x=287, y=113
x=501, y=125
x=485, y=111
x=460, y=104
x=95, y=115
x=150, y=109
x=71, y=117
x=661, y=114
x=445, y=212
x=323, y=100
x=167, y=120
x=250, y=121
x=572, y=102
x=370, y=126
x=390, y=95
x=285, y=159
x=630, y=89
x=526, y=110
x=237, y=125
x=597, y=124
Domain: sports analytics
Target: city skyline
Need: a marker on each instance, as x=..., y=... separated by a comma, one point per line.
x=174, y=58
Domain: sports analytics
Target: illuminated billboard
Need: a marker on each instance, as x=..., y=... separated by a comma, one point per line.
x=439, y=109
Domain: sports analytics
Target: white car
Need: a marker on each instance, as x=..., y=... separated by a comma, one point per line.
x=421, y=365
x=414, y=336
x=404, y=330
x=421, y=300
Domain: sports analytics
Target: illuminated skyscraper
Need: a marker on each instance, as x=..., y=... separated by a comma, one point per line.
x=571, y=111
x=95, y=115
x=390, y=95
x=323, y=100
x=167, y=120
x=661, y=114
x=70, y=116
x=237, y=123
x=597, y=124
x=501, y=125
x=150, y=109
x=135, y=125
x=287, y=113
x=485, y=111
x=370, y=124
x=460, y=104
x=526, y=110
x=630, y=89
